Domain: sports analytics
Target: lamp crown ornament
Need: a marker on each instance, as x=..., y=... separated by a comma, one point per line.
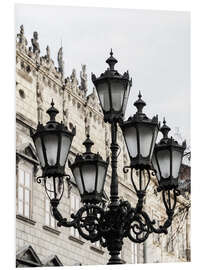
x=52, y=112
x=111, y=61
x=140, y=104
x=165, y=130
x=88, y=143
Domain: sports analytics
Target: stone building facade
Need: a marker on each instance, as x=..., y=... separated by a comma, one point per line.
x=38, y=239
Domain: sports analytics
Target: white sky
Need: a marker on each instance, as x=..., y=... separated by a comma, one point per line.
x=153, y=45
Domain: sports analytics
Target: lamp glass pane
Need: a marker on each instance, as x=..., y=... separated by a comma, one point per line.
x=176, y=159
x=76, y=173
x=54, y=187
x=40, y=154
x=100, y=178
x=89, y=177
x=103, y=92
x=154, y=163
x=164, y=162
x=131, y=140
x=117, y=92
x=146, y=134
x=125, y=99
x=154, y=141
x=65, y=146
x=51, y=146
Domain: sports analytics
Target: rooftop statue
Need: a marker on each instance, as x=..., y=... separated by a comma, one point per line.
x=60, y=61
x=35, y=43
x=48, y=54
x=22, y=39
x=73, y=78
x=83, y=77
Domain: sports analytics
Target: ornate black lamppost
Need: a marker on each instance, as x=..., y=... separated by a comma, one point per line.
x=119, y=220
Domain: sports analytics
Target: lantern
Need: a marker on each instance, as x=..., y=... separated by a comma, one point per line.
x=113, y=90
x=167, y=159
x=140, y=134
x=89, y=170
x=52, y=143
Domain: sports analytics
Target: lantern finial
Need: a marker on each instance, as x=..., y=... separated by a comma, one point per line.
x=165, y=130
x=139, y=104
x=88, y=144
x=111, y=61
x=52, y=112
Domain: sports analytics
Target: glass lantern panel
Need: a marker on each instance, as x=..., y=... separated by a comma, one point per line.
x=51, y=146
x=76, y=173
x=164, y=162
x=146, y=135
x=130, y=135
x=100, y=178
x=154, y=163
x=89, y=177
x=125, y=99
x=176, y=159
x=117, y=92
x=65, y=146
x=40, y=154
x=103, y=92
x=154, y=141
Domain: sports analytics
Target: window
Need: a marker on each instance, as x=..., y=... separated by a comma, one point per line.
x=24, y=191
x=134, y=252
x=75, y=205
x=49, y=219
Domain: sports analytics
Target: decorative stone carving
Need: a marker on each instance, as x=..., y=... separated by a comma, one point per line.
x=22, y=41
x=74, y=81
x=48, y=54
x=65, y=113
x=39, y=90
x=83, y=77
x=67, y=83
x=35, y=43
x=107, y=141
x=35, y=47
x=60, y=61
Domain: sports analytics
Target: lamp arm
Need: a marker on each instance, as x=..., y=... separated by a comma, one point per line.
x=170, y=207
x=57, y=215
x=86, y=220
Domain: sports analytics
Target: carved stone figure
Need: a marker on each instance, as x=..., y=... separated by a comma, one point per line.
x=35, y=43
x=60, y=61
x=83, y=77
x=48, y=54
x=21, y=38
x=74, y=80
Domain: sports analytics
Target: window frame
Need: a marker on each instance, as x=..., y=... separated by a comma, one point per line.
x=28, y=167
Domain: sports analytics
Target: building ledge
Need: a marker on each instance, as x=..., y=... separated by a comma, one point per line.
x=50, y=229
x=28, y=220
x=77, y=240
x=98, y=250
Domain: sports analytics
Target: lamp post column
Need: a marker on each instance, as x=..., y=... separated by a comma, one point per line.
x=114, y=177
x=114, y=238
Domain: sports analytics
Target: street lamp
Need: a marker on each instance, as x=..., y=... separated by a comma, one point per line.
x=119, y=220
x=167, y=158
x=89, y=170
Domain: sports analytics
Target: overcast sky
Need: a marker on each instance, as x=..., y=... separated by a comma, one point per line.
x=153, y=45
